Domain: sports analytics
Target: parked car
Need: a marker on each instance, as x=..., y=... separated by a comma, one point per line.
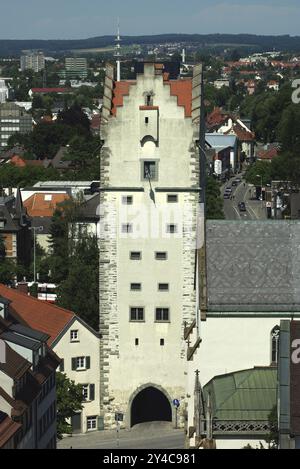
x=242, y=207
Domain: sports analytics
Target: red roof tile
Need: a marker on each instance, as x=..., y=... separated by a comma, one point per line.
x=121, y=89
x=38, y=206
x=267, y=154
x=217, y=117
x=183, y=90
x=180, y=88
x=40, y=315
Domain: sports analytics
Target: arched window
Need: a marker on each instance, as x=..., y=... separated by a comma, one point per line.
x=275, y=345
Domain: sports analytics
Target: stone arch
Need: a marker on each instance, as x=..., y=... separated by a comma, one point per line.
x=146, y=391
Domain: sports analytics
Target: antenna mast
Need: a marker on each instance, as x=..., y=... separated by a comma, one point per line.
x=118, y=52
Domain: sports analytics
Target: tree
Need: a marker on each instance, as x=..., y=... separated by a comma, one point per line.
x=69, y=401
x=259, y=168
x=273, y=437
x=214, y=202
x=79, y=291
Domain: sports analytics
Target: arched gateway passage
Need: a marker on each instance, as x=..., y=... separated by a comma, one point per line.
x=150, y=405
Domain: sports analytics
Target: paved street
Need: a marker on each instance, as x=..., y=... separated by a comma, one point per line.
x=156, y=435
x=243, y=193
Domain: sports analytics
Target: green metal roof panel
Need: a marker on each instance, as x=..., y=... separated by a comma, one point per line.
x=243, y=395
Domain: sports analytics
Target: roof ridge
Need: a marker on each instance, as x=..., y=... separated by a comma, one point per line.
x=37, y=300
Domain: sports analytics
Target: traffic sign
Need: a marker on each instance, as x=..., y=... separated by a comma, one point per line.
x=176, y=403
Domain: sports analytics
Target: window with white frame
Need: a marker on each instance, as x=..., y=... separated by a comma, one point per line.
x=91, y=423
x=80, y=363
x=85, y=392
x=74, y=335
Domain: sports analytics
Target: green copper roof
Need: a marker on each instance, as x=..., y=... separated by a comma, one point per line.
x=243, y=395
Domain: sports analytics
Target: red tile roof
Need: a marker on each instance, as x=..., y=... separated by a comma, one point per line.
x=267, y=154
x=216, y=117
x=121, y=89
x=38, y=206
x=40, y=315
x=183, y=90
x=242, y=134
x=180, y=88
x=19, y=162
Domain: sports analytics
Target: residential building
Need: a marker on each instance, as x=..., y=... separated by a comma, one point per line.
x=149, y=166
x=76, y=343
x=267, y=152
x=226, y=150
x=27, y=384
x=221, y=83
x=75, y=68
x=14, y=228
x=13, y=119
x=3, y=92
x=87, y=221
x=41, y=207
x=32, y=60
x=273, y=85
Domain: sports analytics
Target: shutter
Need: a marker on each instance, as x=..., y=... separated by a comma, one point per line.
x=62, y=365
x=92, y=392
x=73, y=363
x=88, y=362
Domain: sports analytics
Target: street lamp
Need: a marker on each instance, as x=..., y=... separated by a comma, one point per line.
x=261, y=187
x=35, y=229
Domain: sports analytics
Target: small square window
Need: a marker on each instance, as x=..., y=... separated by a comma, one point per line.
x=136, y=341
x=135, y=255
x=127, y=228
x=161, y=256
x=172, y=198
x=150, y=170
x=172, y=228
x=74, y=336
x=162, y=342
x=163, y=287
x=127, y=200
x=135, y=286
x=162, y=314
x=136, y=314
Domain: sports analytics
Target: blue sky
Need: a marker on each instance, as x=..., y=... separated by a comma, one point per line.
x=68, y=19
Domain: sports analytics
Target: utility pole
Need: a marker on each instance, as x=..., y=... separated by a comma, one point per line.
x=35, y=229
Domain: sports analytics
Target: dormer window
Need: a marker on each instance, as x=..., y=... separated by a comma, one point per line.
x=4, y=303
